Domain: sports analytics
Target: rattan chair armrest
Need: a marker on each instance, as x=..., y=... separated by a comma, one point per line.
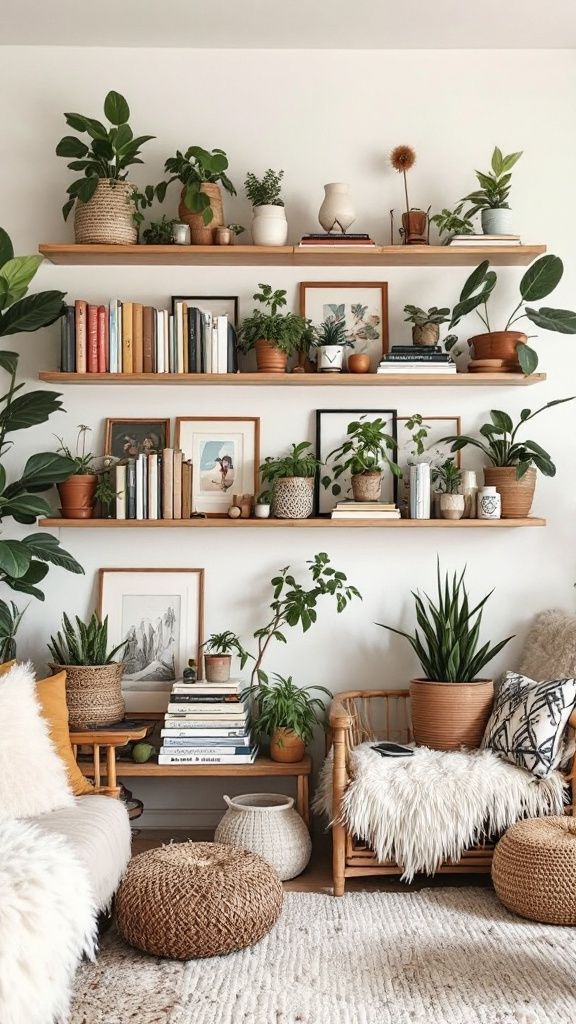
x=339, y=717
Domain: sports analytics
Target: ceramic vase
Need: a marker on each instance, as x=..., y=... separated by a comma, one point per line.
x=337, y=212
x=489, y=503
x=469, y=489
x=496, y=222
x=330, y=358
x=420, y=491
x=217, y=667
x=269, y=226
x=261, y=510
x=452, y=506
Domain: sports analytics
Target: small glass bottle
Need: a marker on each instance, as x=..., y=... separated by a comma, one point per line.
x=190, y=674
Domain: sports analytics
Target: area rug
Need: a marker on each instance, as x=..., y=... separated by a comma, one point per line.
x=438, y=956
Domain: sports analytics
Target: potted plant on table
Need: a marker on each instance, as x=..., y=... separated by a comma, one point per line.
x=93, y=677
x=426, y=323
x=491, y=199
x=291, y=481
x=274, y=336
x=331, y=340
x=269, y=226
x=201, y=173
x=450, y=705
x=513, y=463
x=218, y=655
x=364, y=453
x=85, y=485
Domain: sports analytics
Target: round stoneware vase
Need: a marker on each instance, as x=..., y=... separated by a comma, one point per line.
x=330, y=358
x=499, y=345
x=269, y=226
x=496, y=222
x=267, y=824
x=77, y=495
x=201, y=233
x=366, y=486
x=446, y=716
x=425, y=335
x=516, y=495
x=293, y=497
x=286, y=746
x=107, y=218
x=452, y=506
x=93, y=694
x=359, y=362
x=270, y=359
x=337, y=212
x=217, y=667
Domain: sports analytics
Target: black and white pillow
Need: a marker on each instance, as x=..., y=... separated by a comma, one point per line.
x=527, y=726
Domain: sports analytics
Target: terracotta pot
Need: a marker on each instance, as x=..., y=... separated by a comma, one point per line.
x=425, y=334
x=415, y=227
x=217, y=667
x=366, y=486
x=517, y=495
x=446, y=716
x=270, y=359
x=201, y=233
x=499, y=345
x=93, y=694
x=359, y=362
x=77, y=496
x=286, y=746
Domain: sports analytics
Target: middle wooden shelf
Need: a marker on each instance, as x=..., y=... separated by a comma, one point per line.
x=215, y=522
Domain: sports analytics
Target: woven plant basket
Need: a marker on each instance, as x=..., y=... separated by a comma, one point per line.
x=267, y=824
x=534, y=869
x=517, y=495
x=93, y=694
x=446, y=716
x=293, y=497
x=107, y=218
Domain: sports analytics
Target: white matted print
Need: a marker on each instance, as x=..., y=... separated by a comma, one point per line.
x=331, y=430
x=225, y=457
x=362, y=306
x=160, y=613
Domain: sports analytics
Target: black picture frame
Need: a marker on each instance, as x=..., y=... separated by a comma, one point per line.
x=351, y=413
x=198, y=300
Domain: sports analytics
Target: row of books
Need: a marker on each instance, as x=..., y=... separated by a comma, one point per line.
x=335, y=240
x=365, y=510
x=487, y=240
x=416, y=359
x=156, y=485
x=128, y=337
x=207, y=723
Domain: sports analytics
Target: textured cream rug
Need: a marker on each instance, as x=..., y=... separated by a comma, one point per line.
x=449, y=956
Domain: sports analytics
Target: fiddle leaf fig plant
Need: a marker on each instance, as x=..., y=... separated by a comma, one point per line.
x=195, y=168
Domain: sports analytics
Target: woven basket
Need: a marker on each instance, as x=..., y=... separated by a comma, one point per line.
x=446, y=716
x=107, y=218
x=267, y=824
x=293, y=497
x=93, y=694
x=517, y=495
x=534, y=870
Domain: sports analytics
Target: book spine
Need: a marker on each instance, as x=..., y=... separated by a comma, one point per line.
x=140, y=482
x=401, y=357
x=68, y=352
x=177, y=485
x=137, y=338
x=102, y=339
x=120, y=487
x=80, y=307
x=152, y=486
x=192, y=363
x=131, y=489
x=222, y=343
x=159, y=463
x=119, y=322
x=171, y=359
x=186, y=490
x=167, y=483
x=185, y=750
x=113, y=336
x=92, y=339
x=207, y=735
x=232, y=361
x=184, y=340
x=160, y=367
x=197, y=759
x=224, y=712
x=147, y=339
x=204, y=698
x=127, y=338
x=166, y=336
x=207, y=341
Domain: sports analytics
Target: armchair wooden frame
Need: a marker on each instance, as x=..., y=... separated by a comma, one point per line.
x=109, y=739
x=357, y=716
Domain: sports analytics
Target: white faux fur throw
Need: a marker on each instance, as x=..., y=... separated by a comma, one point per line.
x=421, y=810
x=47, y=922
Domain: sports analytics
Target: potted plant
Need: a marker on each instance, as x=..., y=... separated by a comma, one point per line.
x=450, y=705
x=201, y=173
x=218, y=656
x=453, y=222
x=263, y=505
x=102, y=198
x=331, y=339
x=93, y=677
x=363, y=454
x=275, y=336
x=491, y=199
x=513, y=463
x=84, y=485
x=426, y=329
x=291, y=479
x=414, y=221
x=269, y=226
x=449, y=477
x=159, y=232
x=288, y=714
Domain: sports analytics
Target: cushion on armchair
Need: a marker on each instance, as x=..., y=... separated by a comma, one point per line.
x=550, y=649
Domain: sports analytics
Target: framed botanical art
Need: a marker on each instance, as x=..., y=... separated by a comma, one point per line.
x=129, y=438
x=331, y=428
x=225, y=454
x=218, y=305
x=418, y=436
x=160, y=612
x=361, y=305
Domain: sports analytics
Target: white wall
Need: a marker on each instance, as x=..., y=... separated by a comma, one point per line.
x=322, y=116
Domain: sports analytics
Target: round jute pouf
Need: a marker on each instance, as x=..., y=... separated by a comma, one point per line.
x=191, y=900
x=534, y=869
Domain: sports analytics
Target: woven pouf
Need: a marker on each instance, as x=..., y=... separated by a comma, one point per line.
x=534, y=869
x=192, y=900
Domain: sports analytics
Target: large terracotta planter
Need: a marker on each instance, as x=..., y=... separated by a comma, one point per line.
x=446, y=716
x=77, y=496
x=93, y=694
x=217, y=667
x=517, y=495
x=286, y=746
x=270, y=359
x=499, y=345
x=107, y=219
x=366, y=486
x=201, y=233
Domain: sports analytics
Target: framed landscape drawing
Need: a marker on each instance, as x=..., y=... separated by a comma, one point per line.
x=126, y=439
x=435, y=427
x=160, y=612
x=331, y=427
x=361, y=305
x=225, y=454
x=218, y=305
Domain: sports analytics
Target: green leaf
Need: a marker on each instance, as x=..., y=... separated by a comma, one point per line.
x=42, y=470
x=527, y=358
x=6, y=247
x=103, y=148
x=25, y=584
x=18, y=273
x=509, y=161
x=561, y=320
x=32, y=312
x=541, y=278
x=475, y=280
x=9, y=361
x=123, y=137
x=116, y=108
x=25, y=506
x=47, y=548
x=14, y=558
x=497, y=161
x=30, y=409
x=72, y=147
x=502, y=421
x=84, y=188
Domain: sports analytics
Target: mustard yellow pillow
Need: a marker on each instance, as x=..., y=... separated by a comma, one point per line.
x=51, y=695
x=6, y=667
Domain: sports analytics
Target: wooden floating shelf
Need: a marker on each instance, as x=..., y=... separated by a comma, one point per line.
x=287, y=524
x=316, y=380
x=288, y=255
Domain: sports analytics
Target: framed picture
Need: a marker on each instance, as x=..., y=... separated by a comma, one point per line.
x=160, y=612
x=129, y=438
x=218, y=305
x=331, y=427
x=361, y=305
x=225, y=454
x=432, y=429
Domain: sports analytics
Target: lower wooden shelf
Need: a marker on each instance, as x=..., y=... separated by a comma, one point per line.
x=289, y=524
x=298, y=380
x=263, y=767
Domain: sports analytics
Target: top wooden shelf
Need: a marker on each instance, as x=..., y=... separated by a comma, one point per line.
x=288, y=255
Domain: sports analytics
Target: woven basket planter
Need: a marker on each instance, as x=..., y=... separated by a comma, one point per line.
x=93, y=694
x=517, y=495
x=534, y=870
x=293, y=497
x=201, y=233
x=107, y=218
x=267, y=824
x=446, y=716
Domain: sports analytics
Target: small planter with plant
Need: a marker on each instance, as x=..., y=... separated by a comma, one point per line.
x=491, y=199
x=269, y=226
x=218, y=650
x=201, y=173
x=426, y=323
x=512, y=463
x=448, y=478
x=450, y=705
x=363, y=454
x=93, y=676
x=291, y=481
x=273, y=335
x=331, y=340
x=86, y=484
x=159, y=232
x=289, y=714
x=453, y=222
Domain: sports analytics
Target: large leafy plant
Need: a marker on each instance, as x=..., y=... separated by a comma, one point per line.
x=299, y=462
x=86, y=643
x=365, y=450
x=197, y=167
x=285, y=330
x=448, y=645
x=282, y=704
x=495, y=186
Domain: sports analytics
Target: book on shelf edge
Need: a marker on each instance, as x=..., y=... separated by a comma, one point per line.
x=92, y=338
x=366, y=515
x=199, y=733
x=224, y=712
x=127, y=351
x=416, y=368
x=208, y=759
x=148, y=318
x=185, y=696
x=334, y=235
x=102, y=340
x=187, y=721
x=220, y=750
x=120, y=488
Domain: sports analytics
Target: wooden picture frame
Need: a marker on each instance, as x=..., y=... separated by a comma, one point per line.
x=215, y=439
x=324, y=508
x=313, y=307
x=115, y=447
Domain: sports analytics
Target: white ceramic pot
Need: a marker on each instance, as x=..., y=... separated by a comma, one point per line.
x=330, y=358
x=267, y=824
x=420, y=491
x=293, y=497
x=496, y=222
x=261, y=510
x=269, y=226
x=337, y=212
x=452, y=506
x=489, y=503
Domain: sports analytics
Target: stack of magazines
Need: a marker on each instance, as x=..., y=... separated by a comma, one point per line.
x=207, y=723
x=416, y=359
x=365, y=510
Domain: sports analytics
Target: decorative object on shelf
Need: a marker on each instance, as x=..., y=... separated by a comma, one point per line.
x=234, y=512
x=415, y=228
x=225, y=452
x=420, y=483
x=218, y=650
x=245, y=502
x=453, y=222
x=86, y=484
x=469, y=488
x=426, y=324
x=287, y=713
x=450, y=706
x=491, y=199
x=449, y=476
x=235, y=231
x=334, y=483
x=291, y=479
x=223, y=236
x=337, y=209
x=181, y=233
x=201, y=172
x=331, y=339
x=269, y=224
x=489, y=503
x=159, y=614
x=275, y=336
x=190, y=673
x=358, y=362
x=262, y=510
x=162, y=232
x=142, y=752
x=269, y=825
x=93, y=677
x=127, y=439
x=361, y=305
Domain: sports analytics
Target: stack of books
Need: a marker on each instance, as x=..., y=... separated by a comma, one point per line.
x=335, y=240
x=488, y=240
x=207, y=723
x=157, y=485
x=365, y=510
x=416, y=359
x=128, y=337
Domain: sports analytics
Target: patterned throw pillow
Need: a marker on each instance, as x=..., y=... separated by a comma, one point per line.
x=528, y=722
